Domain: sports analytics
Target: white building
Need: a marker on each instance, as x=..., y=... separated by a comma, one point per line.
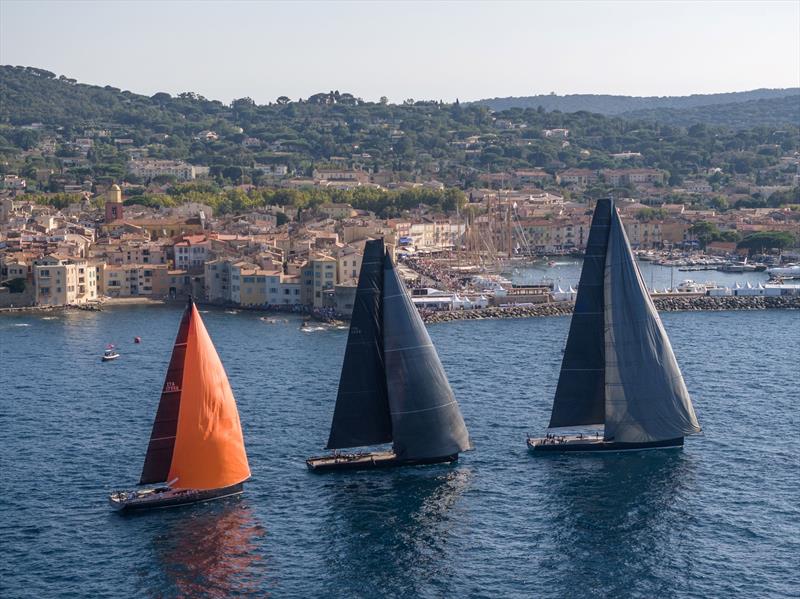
x=147, y=169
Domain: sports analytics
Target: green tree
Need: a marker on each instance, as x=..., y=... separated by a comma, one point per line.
x=766, y=240
x=704, y=231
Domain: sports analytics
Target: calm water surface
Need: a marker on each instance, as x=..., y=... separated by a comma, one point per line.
x=566, y=271
x=719, y=518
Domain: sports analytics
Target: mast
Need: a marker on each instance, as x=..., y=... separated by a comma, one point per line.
x=361, y=416
x=509, y=240
x=197, y=437
x=645, y=395
x=426, y=420
x=580, y=394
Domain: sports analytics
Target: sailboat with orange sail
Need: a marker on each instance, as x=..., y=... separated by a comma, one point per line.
x=196, y=451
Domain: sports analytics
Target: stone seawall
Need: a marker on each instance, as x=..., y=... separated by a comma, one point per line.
x=664, y=304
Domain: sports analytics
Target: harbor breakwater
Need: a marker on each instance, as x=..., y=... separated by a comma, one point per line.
x=663, y=304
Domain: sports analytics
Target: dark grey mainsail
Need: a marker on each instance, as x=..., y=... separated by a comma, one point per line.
x=645, y=396
x=426, y=420
x=361, y=416
x=580, y=394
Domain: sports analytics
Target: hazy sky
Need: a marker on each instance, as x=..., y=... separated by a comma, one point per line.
x=421, y=50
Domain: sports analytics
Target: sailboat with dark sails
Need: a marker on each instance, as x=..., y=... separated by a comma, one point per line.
x=620, y=387
x=196, y=451
x=393, y=388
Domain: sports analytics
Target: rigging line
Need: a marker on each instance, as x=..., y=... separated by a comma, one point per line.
x=444, y=405
x=161, y=438
x=409, y=347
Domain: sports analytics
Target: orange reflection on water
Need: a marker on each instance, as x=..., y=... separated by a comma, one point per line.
x=212, y=551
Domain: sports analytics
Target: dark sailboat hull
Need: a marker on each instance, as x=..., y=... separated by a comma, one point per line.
x=575, y=444
x=169, y=499
x=369, y=461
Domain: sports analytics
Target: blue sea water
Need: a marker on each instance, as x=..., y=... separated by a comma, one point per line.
x=565, y=271
x=718, y=519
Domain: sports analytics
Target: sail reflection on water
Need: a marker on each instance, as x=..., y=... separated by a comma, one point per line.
x=213, y=551
x=615, y=519
x=391, y=531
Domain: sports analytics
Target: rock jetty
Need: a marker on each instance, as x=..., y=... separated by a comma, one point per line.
x=663, y=304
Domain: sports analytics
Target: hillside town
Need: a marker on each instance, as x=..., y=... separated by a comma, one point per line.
x=106, y=247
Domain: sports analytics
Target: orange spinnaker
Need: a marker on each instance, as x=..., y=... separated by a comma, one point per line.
x=209, y=448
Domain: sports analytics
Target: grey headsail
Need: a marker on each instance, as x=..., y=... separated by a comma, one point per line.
x=426, y=420
x=361, y=416
x=580, y=395
x=646, y=398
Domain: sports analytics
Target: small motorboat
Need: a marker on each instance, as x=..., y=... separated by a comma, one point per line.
x=110, y=354
x=273, y=320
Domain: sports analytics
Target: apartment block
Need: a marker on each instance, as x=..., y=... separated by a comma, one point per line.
x=61, y=281
x=132, y=280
